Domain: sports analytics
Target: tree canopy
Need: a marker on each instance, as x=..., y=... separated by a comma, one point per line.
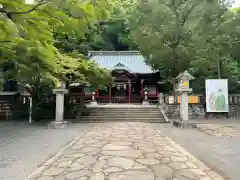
x=177, y=35
x=30, y=33
x=49, y=39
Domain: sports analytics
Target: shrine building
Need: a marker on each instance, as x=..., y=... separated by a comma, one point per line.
x=132, y=77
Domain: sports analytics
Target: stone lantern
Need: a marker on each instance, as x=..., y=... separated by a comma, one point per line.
x=145, y=100
x=94, y=102
x=183, y=90
x=59, y=122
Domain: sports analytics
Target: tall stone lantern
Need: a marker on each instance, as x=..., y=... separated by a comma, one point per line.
x=59, y=122
x=183, y=89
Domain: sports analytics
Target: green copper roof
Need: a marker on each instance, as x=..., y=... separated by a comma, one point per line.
x=131, y=61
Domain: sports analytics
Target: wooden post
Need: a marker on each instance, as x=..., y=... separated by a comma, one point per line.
x=142, y=92
x=97, y=92
x=110, y=94
x=30, y=109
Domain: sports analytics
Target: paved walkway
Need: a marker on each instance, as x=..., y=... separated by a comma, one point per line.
x=221, y=130
x=24, y=147
x=220, y=153
x=124, y=151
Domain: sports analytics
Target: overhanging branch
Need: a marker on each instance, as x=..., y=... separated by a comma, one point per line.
x=10, y=14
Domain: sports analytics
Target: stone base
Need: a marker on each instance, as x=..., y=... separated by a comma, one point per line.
x=57, y=125
x=145, y=102
x=94, y=103
x=183, y=124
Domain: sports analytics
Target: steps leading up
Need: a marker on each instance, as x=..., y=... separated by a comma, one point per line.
x=124, y=114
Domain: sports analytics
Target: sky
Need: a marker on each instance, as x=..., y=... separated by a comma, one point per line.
x=236, y=4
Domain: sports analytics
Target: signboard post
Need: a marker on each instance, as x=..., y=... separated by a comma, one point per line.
x=216, y=95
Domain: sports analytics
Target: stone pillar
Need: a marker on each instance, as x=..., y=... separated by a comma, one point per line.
x=59, y=122
x=184, y=106
x=183, y=90
x=161, y=98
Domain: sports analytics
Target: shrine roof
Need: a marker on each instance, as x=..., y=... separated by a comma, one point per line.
x=133, y=61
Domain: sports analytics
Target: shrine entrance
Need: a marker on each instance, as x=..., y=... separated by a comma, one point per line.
x=128, y=86
x=120, y=92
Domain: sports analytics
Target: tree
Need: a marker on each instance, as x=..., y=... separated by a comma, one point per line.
x=29, y=32
x=176, y=35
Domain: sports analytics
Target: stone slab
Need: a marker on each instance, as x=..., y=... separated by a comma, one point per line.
x=129, y=160
x=58, y=125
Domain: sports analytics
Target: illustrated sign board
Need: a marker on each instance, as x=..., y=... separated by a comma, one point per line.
x=216, y=95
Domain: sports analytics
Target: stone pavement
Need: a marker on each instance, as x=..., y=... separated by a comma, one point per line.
x=220, y=153
x=124, y=151
x=23, y=146
x=222, y=130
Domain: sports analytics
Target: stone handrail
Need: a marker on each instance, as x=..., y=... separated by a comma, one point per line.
x=162, y=107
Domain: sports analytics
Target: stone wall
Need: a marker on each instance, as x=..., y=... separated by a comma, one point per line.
x=199, y=111
x=194, y=110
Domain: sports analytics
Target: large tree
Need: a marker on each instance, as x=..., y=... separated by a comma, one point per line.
x=176, y=35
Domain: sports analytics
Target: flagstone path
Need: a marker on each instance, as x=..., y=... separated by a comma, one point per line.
x=124, y=151
x=221, y=130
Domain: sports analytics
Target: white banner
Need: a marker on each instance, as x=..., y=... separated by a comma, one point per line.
x=216, y=95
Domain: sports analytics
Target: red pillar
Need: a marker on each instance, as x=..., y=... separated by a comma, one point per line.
x=129, y=90
x=157, y=89
x=97, y=92
x=110, y=93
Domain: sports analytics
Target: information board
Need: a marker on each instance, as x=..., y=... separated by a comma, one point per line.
x=216, y=95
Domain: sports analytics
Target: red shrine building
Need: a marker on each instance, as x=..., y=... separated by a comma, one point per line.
x=132, y=77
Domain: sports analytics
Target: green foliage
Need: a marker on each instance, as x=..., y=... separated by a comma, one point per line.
x=29, y=33
x=200, y=36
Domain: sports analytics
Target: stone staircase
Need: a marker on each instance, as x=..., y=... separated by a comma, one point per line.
x=128, y=114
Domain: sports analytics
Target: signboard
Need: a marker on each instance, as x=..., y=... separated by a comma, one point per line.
x=171, y=99
x=191, y=99
x=216, y=95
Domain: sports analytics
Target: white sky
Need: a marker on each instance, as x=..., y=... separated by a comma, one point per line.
x=29, y=1
x=236, y=4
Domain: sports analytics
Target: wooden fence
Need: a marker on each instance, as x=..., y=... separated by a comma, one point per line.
x=17, y=106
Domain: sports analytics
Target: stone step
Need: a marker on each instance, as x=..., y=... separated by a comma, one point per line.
x=120, y=111
x=126, y=113
x=107, y=119
x=124, y=117
x=107, y=109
